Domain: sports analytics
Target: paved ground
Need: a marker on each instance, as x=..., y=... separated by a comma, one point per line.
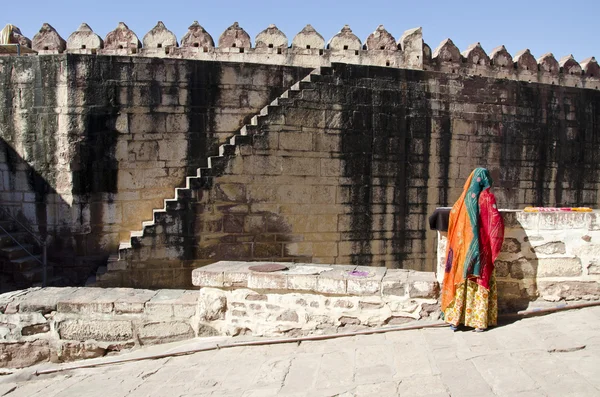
x=552, y=355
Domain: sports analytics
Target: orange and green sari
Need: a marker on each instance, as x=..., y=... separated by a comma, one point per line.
x=475, y=236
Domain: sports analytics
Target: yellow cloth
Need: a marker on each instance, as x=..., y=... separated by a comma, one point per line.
x=6, y=33
x=474, y=306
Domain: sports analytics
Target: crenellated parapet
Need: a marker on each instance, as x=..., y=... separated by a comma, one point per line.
x=309, y=49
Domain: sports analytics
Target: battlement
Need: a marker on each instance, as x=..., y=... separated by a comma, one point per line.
x=309, y=49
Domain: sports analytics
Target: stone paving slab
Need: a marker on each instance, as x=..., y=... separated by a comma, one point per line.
x=516, y=359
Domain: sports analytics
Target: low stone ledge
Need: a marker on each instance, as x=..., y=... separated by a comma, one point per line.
x=310, y=298
x=319, y=278
x=64, y=324
x=550, y=256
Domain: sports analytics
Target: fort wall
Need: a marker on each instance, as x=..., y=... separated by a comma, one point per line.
x=207, y=160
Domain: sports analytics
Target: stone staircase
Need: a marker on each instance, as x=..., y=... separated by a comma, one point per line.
x=203, y=179
x=21, y=259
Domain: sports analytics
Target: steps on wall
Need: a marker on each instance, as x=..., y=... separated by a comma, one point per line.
x=21, y=259
x=202, y=180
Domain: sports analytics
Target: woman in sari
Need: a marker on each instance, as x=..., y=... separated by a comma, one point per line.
x=475, y=236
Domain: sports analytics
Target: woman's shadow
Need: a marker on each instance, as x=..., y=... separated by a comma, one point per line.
x=516, y=269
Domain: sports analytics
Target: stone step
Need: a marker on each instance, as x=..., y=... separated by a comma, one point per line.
x=35, y=275
x=18, y=251
x=21, y=237
x=25, y=263
x=8, y=226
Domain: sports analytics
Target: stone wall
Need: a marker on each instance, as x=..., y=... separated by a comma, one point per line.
x=346, y=166
x=66, y=324
x=548, y=256
x=91, y=145
x=311, y=299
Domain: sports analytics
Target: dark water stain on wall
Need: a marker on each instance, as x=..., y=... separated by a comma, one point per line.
x=356, y=155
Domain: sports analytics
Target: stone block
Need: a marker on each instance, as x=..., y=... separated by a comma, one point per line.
x=300, y=141
x=129, y=300
x=71, y=351
x=365, y=285
x=423, y=285
x=203, y=277
x=334, y=281
x=87, y=301
x=23, y=354
x=395, y=282
x=559, y=267
x=45, y=300
x=550, y=248
x=161, y=304
x=569, y=290
x=164, y=332
x=100, y=330
x=522, y=268
x=269, y=281
x=212, y=304
x=302, y=282
x=511, y=245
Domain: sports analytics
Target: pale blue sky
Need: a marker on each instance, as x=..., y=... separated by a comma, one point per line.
x=560, y=27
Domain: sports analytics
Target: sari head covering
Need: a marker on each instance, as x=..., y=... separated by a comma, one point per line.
x=475, y=236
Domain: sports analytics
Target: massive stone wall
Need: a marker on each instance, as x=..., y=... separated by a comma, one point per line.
x=91, y=145
x=346, y=166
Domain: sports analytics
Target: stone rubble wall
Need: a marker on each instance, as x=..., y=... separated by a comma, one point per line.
x=308, y=49
x=310, y=298
x=549, y=256
x=66, y=324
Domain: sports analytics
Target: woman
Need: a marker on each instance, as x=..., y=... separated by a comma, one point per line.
x=475, y=235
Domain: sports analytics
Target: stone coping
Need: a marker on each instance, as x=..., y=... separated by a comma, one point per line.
x=319, y=278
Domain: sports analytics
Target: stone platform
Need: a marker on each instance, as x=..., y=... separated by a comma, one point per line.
x=65, y=324
x=310, y=298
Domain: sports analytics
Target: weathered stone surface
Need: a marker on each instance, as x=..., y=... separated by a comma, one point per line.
x=47, y=40
x=365, y=285
x=590, y=67
x=475, y=55
x=271, y=37
x=235, y=36
x=288, y=315
x=84, y=38
x=212, y=305
x=159, y=37
x=548, y=64
x=308, y=38
x=423, y=285
x=86, y=301
x=500, y=57
x=525, y=61
x=196, y=36
x=395, y=282
x=23, y=354
x=559, y=267
x=122, y=38
x=164, y=332
x=569, y=290
x=446, y=52
x=381, y=39
x=569, y=66
x=524, y=268
x=551, y=248
x=72, y=351
x=511, y=245
x=45, y=300
x=109, y=330
x=344, y=40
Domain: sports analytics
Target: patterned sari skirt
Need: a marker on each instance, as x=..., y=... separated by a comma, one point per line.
x=474, y=305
